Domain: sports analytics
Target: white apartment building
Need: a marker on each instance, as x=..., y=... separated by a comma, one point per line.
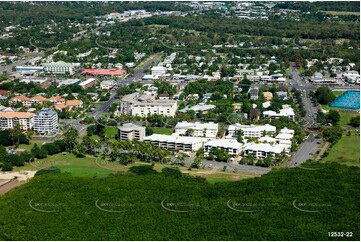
x=250, y=131
x=233, y=147
x=59, y=67
x=175, y=142
x=130, y=131
x=158, y=70
x=45, y=121
x=207, y=130
x=144, y=105
x=286, y=111
x=9, y=120
x=262, y=150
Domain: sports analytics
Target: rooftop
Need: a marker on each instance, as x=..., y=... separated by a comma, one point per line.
x=175, y=138
x=46, y=111
x=196, y=125
x=130, y=127
x=224, y=143
x=103, y=72
x=16, y=115
x=137, y=99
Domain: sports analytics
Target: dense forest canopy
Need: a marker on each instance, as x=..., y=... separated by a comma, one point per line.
x=144, y=203
x=351, y=6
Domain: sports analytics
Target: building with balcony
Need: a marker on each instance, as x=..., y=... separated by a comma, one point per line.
x=45, y=121
x=130, y=131
x=197, y=129
x=144, y=105
x=9, y=120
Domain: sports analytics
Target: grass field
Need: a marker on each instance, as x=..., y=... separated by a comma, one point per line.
x=338, y=93
x=167, y=131
x=30, y=145
x=90, y=167
x=346, y=151
x=344, y=116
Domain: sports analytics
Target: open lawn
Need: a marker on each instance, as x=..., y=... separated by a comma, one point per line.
x=338, y=93
x=346, y=151
x=344, y=116
x=30, y=145
x=167, y=131
x=90, y=167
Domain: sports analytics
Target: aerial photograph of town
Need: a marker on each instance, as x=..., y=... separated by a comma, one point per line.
x=179, y=121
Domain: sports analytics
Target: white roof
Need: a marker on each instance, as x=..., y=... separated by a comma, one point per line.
x=130, y=127
x=267, y=139
x=283, y=112
x=287, y=131
x=158, y=68
x=196, y=125
x=224, y=143
x=266, y=104
x=283, y=136
x=202, y=107
x=254, y=128
x=108, y=82
x=174, y=138
x=87, y=81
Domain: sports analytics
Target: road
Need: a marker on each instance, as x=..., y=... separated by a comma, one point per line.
x=231, y=166
x=310, y=146
x=103, y=108
x=4, y=188
x=130, y=79
x=304, y=86
x=306, y=151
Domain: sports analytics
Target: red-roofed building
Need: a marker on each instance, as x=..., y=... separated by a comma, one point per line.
x=103, y=72
x=4, y=92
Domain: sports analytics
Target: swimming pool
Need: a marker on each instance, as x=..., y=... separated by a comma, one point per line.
x=348, y=100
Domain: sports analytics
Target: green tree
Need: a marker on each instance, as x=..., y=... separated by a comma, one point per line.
x=333, y=116
x=355, y=121
x=70, y=138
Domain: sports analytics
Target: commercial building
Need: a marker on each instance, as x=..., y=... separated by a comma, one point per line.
x=9, y=120
x=42, y=82
x=107, y=85
x=130, y=131
x=228, y=145
x=104, y=72
x=59, y=67
x=144, y=105
x=28, y=68
x=175, y=142
x=88, y=83
x=250, y=131
x=45, y=121
x=207, y=130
